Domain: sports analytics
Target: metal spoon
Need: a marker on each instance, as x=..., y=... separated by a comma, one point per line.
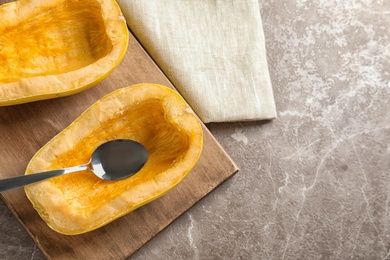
x=113, y=160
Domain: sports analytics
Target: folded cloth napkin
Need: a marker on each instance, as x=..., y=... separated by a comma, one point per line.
x=213, y=52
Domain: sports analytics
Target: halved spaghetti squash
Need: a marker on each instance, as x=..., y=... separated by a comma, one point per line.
x=153, y=115
x=53, y=48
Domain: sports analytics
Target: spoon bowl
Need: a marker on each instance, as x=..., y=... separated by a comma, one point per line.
x=113, y=160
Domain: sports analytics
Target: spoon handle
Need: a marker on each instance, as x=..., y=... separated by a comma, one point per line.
x=20, y=181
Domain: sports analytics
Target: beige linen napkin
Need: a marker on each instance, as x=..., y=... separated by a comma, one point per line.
x=213, y=51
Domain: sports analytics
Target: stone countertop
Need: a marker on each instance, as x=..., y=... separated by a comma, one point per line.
x=315, y=182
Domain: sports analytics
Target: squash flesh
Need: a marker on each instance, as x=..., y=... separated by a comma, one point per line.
x=150, y=114
x=164, y=143
x=56, y=40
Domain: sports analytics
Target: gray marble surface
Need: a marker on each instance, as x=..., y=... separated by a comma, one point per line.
x=315, y=182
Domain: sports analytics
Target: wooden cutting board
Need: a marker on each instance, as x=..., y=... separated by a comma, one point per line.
x=25, y=128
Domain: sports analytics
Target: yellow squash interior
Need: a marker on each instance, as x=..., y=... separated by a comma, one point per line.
x=153, y=115
x=58, y=39
x=164, y=142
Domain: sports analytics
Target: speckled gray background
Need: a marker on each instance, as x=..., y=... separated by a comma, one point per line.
x=315, y=182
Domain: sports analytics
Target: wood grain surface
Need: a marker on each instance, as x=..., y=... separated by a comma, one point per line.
x=24, y=129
